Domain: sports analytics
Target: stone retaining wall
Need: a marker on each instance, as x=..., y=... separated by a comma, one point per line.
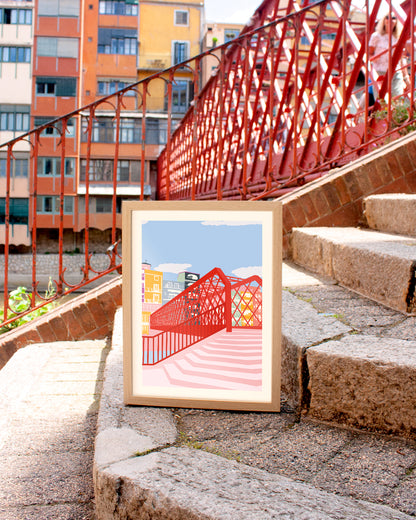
x=48, y=264
x=89, y=316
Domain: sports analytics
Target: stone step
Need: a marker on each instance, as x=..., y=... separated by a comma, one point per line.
x=138, y=472
x=392, y=213
x=377, y=265
x=335, y=372
x=364, y=380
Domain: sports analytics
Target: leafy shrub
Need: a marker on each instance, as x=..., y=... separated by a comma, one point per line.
x=19, y=302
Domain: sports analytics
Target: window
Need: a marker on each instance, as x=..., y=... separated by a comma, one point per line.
x=104, y=130
x=130, y=130
x=230, y=34
x=47, y=204
x=55, y=130
x=46, y=88
x=18, y=211
x=181, y=17
x=117, y=41
x=69, y=8
x=182, y=95
x=14, y=118
x=57, y=47
x=128, y=7
x=101, y=170
x=18, y=167
x=51, y=166
x=104, y=205
x=15, y=16
x=50, y=86
x=15, y=54
x=180, y=52
x=105, y=88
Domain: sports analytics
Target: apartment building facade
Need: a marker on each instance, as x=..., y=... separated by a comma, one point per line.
x=16, y=40
x=65, y=54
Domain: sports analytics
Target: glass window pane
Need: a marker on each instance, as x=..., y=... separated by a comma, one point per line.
x=68, y=205
x=47, y=204
x=3, y=167
x=48, y=166
x=26, y=122
x=69, y=167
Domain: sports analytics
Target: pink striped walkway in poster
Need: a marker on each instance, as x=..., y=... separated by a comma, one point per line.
x=229, y=361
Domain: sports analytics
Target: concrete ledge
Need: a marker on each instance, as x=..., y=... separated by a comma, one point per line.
x=392, y=213
x=176, y=483
x=377, y=265
x=364, y=381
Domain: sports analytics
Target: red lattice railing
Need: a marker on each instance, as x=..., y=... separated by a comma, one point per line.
x=287, y=102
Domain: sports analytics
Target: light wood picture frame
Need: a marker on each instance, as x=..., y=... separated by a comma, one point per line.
x=202, y=304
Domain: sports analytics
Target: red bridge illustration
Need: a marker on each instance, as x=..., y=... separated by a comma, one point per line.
x=220, y=317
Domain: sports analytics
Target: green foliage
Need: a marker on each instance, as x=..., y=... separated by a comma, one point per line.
x=19, y=302
x=400, y=113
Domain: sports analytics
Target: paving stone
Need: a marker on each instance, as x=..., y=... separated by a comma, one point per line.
x=47, y=441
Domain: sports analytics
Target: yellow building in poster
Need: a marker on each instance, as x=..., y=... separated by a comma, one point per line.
x=152, y=296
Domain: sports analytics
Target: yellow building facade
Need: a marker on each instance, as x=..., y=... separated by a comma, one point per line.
x=169, y=32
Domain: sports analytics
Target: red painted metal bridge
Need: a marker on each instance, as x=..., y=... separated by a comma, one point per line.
x=215, y=302
x=286, y=103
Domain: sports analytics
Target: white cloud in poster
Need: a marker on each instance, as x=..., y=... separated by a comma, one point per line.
x=172, y=268
x=246, y=272
x=229, y=223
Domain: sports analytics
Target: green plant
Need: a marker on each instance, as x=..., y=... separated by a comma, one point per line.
x=400, y=113
x=19, y=302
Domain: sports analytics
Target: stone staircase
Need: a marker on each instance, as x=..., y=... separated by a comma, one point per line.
x=359, y=376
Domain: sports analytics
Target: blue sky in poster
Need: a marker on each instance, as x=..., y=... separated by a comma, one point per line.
x=173, y=247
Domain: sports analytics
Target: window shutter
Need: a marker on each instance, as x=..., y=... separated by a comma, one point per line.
x=66, y=87
x=47, y=46
x=67, y=48
x=48, y=8
x=69, y=8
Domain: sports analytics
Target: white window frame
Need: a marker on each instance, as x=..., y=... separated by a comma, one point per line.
x=188, y=46
x=175, y=19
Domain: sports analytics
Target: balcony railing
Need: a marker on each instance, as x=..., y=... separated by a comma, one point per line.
x=287, y=101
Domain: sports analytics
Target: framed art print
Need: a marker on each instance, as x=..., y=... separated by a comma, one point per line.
x=202, y=304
